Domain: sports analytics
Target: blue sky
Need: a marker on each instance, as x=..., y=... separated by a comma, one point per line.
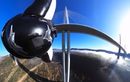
x=103, y=15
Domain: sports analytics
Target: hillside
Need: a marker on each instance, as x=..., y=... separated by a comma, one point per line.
x=2, y=58
x=9, y=72
x=85, y=67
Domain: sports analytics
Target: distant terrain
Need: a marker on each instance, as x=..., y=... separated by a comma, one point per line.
x=2, y=58
x=9, y=72
x=86, y=66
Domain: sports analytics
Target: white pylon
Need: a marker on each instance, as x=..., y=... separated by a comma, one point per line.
x=66, y=70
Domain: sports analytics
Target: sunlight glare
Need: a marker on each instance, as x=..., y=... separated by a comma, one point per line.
x=124, y=29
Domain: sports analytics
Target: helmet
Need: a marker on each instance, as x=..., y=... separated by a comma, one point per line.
x=27, y=36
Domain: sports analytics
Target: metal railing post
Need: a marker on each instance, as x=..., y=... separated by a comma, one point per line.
x=63, y=52
x=68, y=56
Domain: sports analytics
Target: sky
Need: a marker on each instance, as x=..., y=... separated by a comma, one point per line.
x=108, y=16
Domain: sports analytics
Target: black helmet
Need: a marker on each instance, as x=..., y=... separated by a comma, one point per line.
x=27, y=36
